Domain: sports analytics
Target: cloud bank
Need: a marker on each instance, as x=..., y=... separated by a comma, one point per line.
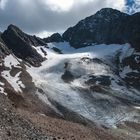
x=40, y=16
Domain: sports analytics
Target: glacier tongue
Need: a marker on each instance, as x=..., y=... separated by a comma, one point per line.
x=86, y=92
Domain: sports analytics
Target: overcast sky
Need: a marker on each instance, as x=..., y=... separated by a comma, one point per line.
x=47, y=16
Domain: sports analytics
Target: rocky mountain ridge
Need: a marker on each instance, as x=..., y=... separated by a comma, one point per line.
x=21, y=45
x=107, y=26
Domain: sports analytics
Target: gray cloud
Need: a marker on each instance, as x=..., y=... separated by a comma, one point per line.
x=33, y=16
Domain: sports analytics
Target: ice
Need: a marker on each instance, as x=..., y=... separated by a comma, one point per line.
x=75, y=95
x=99, y=51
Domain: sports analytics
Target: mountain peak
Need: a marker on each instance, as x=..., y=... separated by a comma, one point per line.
x=56, y=37
x=107, y=26
x=110, y=12
x=21, y=44
x=12, y=27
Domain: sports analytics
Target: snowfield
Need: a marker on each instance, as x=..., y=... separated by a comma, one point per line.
x=11, y=62
x=14, y=81
x=87, y=93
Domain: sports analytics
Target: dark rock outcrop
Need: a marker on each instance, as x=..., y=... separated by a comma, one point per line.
x=67, y=76
x=3, y=49
x=56, y=37
x=107, y=26
x=21, y=45
x=133, y=78
x=57, y=50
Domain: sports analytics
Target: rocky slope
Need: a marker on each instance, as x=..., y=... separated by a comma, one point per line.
x=3, y=49
x=14, y=126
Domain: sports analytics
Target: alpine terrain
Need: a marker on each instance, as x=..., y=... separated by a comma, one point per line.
x=81, y=85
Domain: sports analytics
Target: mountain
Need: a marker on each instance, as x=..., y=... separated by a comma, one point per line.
x=56, y=37
x=107, y=26
x=3, y=49
x=81, y=85
x=21, y=45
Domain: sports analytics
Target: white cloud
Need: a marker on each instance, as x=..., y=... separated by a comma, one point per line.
x=117, y=4
x=59, y=5
x=3, y=4
x=43, y=16
x=44, y=34
x=66, y=5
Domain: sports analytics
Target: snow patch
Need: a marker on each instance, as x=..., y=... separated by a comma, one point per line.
x=126, y=70
x=1, y=84
x=13, y=81
x=2, y=91
x=137, y=107
x=42, y=50
x=10, y=61
x=2, y=88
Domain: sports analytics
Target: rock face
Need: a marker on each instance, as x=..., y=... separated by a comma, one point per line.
x=107, y=26
x=133, y=78
x=21, y=45
x=56, y=37
x=3, y=49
